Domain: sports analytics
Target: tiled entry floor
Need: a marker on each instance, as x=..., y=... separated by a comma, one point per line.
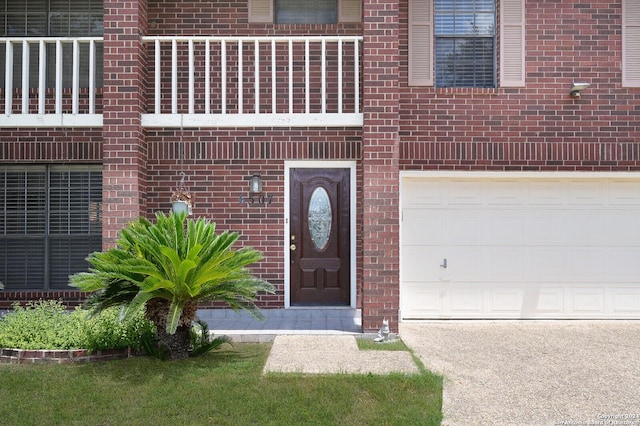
x=241, y=327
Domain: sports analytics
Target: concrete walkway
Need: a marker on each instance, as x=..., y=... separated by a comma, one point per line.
x=333, y=354
x=533, y=372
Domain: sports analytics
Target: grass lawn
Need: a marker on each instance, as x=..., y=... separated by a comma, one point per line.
x=222, y=388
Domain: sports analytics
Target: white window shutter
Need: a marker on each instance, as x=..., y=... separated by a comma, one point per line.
x=261, y=11
x=350, y=10
x=420, y=43
x=512, y=43
x=631, y=43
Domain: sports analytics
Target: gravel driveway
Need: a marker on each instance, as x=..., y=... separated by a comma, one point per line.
x=533, y=372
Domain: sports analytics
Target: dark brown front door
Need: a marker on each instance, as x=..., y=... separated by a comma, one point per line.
x=320, y=236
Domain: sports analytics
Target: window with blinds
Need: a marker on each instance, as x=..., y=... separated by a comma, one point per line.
x=465, y=43
x=52, y=18
x=306, y=11
x=50, y=221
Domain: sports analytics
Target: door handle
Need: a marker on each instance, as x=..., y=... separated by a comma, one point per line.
x=293, y=247
x=444, y=263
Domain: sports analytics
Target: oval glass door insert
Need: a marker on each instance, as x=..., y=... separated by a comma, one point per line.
x=320, y=218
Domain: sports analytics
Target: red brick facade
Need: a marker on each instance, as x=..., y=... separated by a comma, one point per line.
x=380, y=230
x=124, y=149
x=534, y=128
x=537, y=127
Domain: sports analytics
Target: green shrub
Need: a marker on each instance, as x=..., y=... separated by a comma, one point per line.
x=106, y=331
x=49, y=325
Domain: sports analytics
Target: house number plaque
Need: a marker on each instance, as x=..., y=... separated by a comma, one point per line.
x=255, y=200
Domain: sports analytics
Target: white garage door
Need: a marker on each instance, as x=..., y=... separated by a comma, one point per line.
x=528, y=246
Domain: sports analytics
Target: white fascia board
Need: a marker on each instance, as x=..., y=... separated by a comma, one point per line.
x=51, y=120
x=252, y=120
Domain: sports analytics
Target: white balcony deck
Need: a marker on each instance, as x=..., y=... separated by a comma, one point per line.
x=192, y=82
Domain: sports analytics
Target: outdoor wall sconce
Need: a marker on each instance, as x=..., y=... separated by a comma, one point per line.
x=576, y=88
x=255, y=184
x=256, y=197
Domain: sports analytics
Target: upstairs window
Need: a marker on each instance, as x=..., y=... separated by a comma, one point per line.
x=630, y=43
x=465, y=43
x=305, y=11
x=52, y=18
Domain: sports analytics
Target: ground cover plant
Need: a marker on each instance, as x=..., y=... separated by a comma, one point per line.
x=225, y=387
x=49, y=325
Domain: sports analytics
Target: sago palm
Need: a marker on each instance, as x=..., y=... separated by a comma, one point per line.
x=170, y=268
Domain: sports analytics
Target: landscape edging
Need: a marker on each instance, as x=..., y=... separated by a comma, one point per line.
x=64, y=356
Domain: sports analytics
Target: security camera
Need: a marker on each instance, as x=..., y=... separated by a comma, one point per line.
x=576, y=88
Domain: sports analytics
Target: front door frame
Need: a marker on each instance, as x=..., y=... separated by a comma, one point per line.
x=288, y=165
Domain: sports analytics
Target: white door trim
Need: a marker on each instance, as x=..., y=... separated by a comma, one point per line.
x=313, y=164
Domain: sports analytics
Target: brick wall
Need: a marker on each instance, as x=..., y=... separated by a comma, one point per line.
x=50, y=145
x=69, y=298
x=124, y=149
x=538, y=127
x=380, y=166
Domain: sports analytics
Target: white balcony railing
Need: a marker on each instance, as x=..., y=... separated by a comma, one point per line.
x=253, y=81
x=53, y=84
x=191, y=81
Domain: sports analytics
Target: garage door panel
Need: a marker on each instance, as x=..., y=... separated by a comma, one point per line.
x=504, y=264
x=546, y=193
x=543, y=228
x=550, y=301
x=620, y=264
x=425, y=300
x=502, y=228
x=417, y=193
x=426, y=227
x=522, y=248
x=504, y=301
x=586, y=301
x=623, y=192
x=584, y=228
x=466, y=300
x=625, y=300
x=466, y=264
x=544, y=263
x=584, y=193
x=421, y=263
x=463, y=193
x=462, y=228
x=623, y=227
x=584, y=264
x=504, y=193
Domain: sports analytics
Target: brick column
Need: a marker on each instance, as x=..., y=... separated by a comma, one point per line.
x=380, y=286
x=124, y=149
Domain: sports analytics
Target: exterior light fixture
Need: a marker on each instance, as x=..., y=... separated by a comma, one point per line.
x=255, y=184
x=576, y=88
